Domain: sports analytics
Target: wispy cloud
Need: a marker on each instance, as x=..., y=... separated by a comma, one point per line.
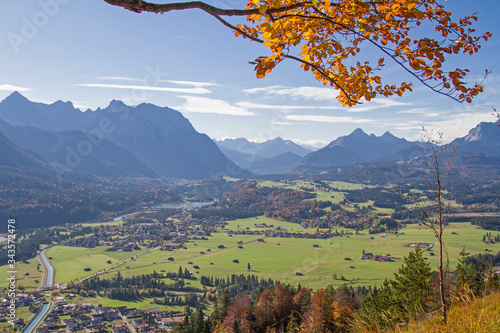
x=284, y=123
x=211, y=105
x=328, y=119
x=375, y=104
x=315, y=93
x=120, y=78
x=193, y=83
x=318, y=94
x=414, y=111
x=9, y=87
x=147, y=88
x=451, y=125
x=458, y=125
x=196, y=84
x=314, y=144
x=251, y=105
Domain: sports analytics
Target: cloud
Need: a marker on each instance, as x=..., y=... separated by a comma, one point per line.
x=119, y=78
x=8, y=87
x=318, y=94
x=315, y=93
x=451, y=125
x=182, y=83
x=251, y=105
x=414, y=111
x=193, y=83
x=148, y=88
x=458, y=125
x=377, y=103
x=210, y=105
x=328, y=119
x=284, y=123
x=313, y=144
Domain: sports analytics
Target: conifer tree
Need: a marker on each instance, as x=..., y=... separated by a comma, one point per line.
x=412, y=286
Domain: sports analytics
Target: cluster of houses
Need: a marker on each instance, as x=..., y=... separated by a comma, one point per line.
x=18, y=301
x=131, y=236
x=422, y=245
x=279, y=232
x=371, y=256
x=71, y=317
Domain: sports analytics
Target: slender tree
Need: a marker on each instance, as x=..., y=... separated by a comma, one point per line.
x=438, y=161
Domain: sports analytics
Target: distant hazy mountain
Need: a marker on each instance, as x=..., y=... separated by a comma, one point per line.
x=243, y=160
x=269, y=157
x=100, y=157
x=160, y=137
x=267, y=149
x=15, y=156
x=275, y=165
x=357, y=147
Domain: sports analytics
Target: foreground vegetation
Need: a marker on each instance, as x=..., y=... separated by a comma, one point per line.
x=469, y=314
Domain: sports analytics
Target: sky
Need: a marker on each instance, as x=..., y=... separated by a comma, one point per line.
x=90, y=53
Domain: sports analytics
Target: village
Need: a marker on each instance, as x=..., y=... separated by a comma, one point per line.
x=176, y=230
x=65, y=316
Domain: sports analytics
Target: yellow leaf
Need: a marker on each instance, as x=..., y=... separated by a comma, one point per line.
x=255, y=2
x=262, y=9
x=417, y=13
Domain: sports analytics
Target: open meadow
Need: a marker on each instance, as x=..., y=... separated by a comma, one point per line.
x=282, y=258
x=310, y=262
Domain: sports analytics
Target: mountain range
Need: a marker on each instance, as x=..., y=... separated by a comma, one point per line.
x=118, y=140
x=269, y=157
x=151, y=141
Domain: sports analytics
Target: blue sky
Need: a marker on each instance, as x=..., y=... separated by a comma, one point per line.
x=89, y=52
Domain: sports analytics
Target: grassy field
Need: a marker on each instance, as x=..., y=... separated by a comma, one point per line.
x=335, y=196
x=281, y=258
x=276, y=258
x=117, y=223
x=69, y=262
x=27, y=281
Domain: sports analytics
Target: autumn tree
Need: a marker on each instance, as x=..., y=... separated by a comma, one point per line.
x=274, y=309
x=283, y=305
x=264, y=314
x=239, y=315
x=302, y=299
x=337, y=39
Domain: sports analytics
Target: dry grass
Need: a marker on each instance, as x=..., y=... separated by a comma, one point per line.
x=472, y=314
x=468, y=314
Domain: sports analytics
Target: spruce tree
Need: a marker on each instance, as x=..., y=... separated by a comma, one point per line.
x=412, y=286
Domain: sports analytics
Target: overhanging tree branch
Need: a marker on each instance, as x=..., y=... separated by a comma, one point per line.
x=139, y=6
x=329, y=34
